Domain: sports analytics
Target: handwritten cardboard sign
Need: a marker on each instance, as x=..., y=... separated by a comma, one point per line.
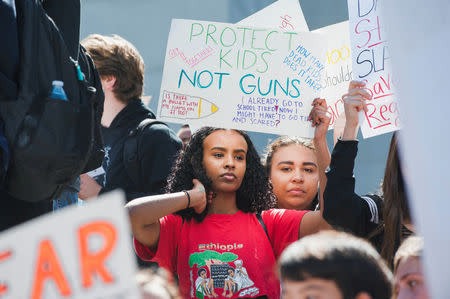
x=242, y=77
x=336, y=55
x=78, y=252
x=337, y=58
x=371, y=64
x=285, y=15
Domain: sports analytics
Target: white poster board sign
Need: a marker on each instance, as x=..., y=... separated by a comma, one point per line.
x=372, y=64
x=336, y=55
x=234, y=76
x=420, y=46
x=337, y=58
x=284, y=15
x=77, y=252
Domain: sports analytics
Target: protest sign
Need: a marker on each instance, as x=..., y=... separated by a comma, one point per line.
x=371, y=64
x=77, y=252
x=234, y=76
x=336, y=55
x=338, y=67
x=285, y=15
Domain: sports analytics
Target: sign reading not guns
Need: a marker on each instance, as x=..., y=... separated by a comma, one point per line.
x=214, y=69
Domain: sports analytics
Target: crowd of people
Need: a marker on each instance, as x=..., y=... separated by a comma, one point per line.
x=223, y=221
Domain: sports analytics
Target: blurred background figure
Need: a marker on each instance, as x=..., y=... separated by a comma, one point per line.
x=409, y=280
x=184, y=133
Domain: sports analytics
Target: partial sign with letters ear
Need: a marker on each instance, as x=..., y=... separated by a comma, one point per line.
x=372, y=64
x=78, y=252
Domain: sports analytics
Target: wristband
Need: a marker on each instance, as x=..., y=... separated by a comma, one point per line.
x=188, y=198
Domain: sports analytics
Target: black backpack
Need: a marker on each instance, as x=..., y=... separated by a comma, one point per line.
x=130, y=149
x=51, y=141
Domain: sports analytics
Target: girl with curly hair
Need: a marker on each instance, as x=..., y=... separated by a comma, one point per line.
x=218, y=209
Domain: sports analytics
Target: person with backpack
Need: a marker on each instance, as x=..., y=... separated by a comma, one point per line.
x=139, y=151
x=51, y=140
x=9, y=68
x=218, y=214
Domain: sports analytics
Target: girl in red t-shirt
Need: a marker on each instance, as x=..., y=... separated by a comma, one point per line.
x=218, y=217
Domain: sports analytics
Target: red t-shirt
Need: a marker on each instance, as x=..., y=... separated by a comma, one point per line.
x=226, y=255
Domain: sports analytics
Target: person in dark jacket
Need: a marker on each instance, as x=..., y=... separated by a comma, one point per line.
x=66, y=16
x=385, y=220
x=121, y=69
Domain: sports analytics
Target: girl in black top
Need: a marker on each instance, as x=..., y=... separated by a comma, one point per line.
x=385, y=220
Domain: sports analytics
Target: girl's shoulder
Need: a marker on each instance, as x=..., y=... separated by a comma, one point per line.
x=282, y=215
x=375, y=205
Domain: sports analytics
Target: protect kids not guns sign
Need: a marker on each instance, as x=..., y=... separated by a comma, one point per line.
x=79, y=252
x=237, y=76
x=371, y=64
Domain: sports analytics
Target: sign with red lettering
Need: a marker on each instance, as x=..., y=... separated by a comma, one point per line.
x=285, y=15
x=336, y=53
x=337, y=57
x=371, y=64
x=78, y=252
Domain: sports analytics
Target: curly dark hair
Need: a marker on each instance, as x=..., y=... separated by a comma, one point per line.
x=254, y=194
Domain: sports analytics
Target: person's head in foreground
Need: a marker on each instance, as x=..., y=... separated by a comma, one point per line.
x=409, y=281
x=155, y=283
x=333, y=265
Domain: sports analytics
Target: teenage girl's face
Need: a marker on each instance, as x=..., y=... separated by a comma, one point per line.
x=409, y=281
x=224, y=159
x=294, y=175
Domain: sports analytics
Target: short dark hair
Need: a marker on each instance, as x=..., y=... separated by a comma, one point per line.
x=352, y=263
x=199, y=272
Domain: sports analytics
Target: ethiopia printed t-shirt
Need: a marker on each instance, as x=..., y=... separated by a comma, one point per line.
x=225, y=256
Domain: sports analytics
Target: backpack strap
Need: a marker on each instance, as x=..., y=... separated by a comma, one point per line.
x=258, y=216
x=130, y=149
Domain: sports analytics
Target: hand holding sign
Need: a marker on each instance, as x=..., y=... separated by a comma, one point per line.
x=320, y=118
x=354, y=103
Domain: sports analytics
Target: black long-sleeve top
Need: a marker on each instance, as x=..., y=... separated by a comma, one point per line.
x=344, y=208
